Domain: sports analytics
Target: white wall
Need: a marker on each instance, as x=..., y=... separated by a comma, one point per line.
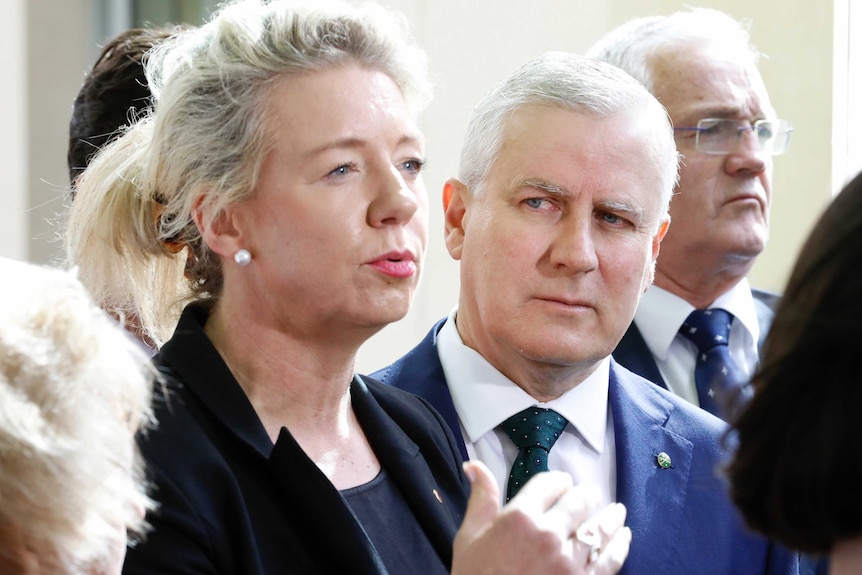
x=13, y=145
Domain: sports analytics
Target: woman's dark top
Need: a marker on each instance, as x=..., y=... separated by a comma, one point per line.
x=232, y=502
x=392, y=527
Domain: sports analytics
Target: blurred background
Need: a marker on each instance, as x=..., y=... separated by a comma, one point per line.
x=813, y=73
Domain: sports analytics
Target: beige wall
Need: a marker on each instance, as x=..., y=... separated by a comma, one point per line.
x=46, y=51
x=471, y=44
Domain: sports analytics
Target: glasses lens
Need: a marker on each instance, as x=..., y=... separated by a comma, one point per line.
x=716, y=136
x=721, y=136
x=774, y=135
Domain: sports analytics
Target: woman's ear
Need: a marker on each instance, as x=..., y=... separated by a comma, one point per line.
x=218, y=230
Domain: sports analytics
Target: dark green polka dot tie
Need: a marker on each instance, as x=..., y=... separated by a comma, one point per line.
x=533, y=431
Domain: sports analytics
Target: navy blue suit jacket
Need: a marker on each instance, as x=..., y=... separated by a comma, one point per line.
x=633, y=354
x=681, y=518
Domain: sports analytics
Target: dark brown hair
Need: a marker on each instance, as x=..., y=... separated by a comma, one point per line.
x=798, y=464
x=113, y=94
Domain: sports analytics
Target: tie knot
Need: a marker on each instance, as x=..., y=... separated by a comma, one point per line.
x=535, y=427
x=707, y=328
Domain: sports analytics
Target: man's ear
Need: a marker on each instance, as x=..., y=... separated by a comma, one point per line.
x=659, y=236
x=656, y=243
x=218, y=230
x=456, y=198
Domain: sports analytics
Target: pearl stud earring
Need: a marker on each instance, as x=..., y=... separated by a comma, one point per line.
x=242, y=257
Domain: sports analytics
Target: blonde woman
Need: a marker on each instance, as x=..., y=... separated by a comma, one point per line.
x=74, y=389
x=281, y=174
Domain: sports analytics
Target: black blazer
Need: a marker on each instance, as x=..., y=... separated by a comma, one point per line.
x=633, y=354
x=232, y=502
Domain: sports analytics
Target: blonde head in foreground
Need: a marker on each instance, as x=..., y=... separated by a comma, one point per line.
x=74, y=390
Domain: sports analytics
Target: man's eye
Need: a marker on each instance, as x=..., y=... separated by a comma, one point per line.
x=713, y=130
x=537, y=203
x=764, y=131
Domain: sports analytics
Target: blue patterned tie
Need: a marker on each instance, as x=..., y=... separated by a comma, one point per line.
x=533, y=431
x=721, y=385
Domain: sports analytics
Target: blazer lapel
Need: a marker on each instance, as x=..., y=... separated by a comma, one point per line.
x=404, y=463
x=654, y=496
x=325, y=526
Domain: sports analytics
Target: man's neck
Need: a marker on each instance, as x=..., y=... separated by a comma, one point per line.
x=545, y=382
x=699, y=291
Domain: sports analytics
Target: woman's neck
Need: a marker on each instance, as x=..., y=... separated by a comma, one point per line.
x=289, y=381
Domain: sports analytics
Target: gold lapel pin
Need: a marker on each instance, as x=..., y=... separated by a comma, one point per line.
x=437, y=495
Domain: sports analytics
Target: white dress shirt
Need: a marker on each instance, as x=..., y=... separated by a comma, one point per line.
x=659, y=316
x=484, y=398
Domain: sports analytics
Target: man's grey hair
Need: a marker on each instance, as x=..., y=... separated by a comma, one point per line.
x=570, y=82
x=632, y=45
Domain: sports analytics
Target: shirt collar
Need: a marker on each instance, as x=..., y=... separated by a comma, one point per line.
x=475, y=382
x=665, y=313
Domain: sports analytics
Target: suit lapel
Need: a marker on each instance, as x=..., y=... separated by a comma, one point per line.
x=404, y=463
x=633, y=354
x=655, y=497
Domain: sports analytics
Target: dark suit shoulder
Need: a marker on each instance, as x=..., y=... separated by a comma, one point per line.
x=179, y=422
x=769, y=298
x=423, y=358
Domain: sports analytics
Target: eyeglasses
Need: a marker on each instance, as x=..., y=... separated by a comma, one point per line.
x=721, y=136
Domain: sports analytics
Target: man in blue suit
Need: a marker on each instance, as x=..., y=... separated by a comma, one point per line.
x=700, y=65
x=557, y=215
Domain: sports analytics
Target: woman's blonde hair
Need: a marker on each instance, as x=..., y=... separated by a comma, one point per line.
x=74, y=390
x=130, y=230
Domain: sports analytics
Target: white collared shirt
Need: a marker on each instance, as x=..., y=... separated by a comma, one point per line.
x=659, y=316
x=484, y=398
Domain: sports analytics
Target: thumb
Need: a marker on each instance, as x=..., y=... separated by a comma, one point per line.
x=484, y=503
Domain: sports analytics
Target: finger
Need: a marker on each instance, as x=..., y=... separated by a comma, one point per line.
x=609, y=520
x=614, y=554
x=572, y=509
x=541, y=493
x=484, y=503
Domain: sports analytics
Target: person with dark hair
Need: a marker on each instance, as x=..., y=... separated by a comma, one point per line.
x=282, y=151
x=113, y=95
x=795, y=474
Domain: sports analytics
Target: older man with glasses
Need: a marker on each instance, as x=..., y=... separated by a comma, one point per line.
x=697, y=330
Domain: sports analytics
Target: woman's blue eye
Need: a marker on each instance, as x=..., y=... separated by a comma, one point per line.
x=341, y=171
x=413, y=165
